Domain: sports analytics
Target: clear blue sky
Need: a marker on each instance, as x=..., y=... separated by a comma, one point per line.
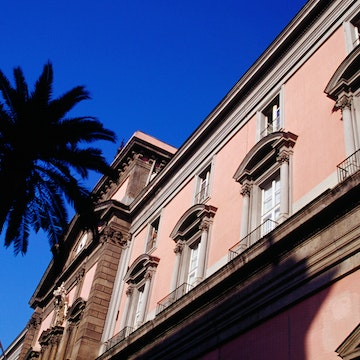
x=158, y=66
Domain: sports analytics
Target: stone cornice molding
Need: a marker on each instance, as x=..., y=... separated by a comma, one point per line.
x=350, y=347
x=311, y=39
x=34, y=321
x=140, y=146
x=51, y=336
x=262, y=282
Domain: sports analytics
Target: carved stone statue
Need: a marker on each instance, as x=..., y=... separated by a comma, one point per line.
x=61, y=305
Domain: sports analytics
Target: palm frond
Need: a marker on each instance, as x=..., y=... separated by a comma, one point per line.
x=21, y=86
x=43, y=87
x=59, y=107
x=40, y=149
x=17, y=231
x=83, y=129
x=7, y=92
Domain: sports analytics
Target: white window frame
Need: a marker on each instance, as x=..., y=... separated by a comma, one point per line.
x=140, y=280
x=356, y=118
x=272, y=213
x=202, y=184
x=82, y=242
x=275, y=107
x=152, y=235
x=185, y=270
x=138, y=319
x=152, y=171
x=352, y=32
x=273, y=155
x=194, y=227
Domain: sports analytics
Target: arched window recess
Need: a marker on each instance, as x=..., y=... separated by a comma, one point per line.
x=265, y=177
x=139, y=279
x=344, y=89
x=192, y=235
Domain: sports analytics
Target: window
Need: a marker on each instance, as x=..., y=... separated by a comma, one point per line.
x=352, y=33
x=139, y=279
x=193, y=262
x=152, y=171
x=138, y=313
x=203, y=185
x=264, y=175
x=152, y=235
x=270, y=204
x=343, y=88
x=270, y=118
x=356, y=26
x=191, y=235
x=82, y=242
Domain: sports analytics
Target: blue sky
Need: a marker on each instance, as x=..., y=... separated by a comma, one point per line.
x=158, y=66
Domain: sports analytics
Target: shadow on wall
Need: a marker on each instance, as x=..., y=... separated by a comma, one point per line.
x=273, y=313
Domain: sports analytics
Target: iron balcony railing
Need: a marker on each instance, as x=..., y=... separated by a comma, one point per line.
x=172, y=297
x=251, y=238
x=120, y=336
x=349, y=166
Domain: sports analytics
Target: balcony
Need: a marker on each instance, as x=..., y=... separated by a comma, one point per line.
x=349, y=166
x=252, y=238
x=120, y=336
x=172, y=297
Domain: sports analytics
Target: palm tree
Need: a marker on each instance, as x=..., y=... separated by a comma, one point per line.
x=41, y=151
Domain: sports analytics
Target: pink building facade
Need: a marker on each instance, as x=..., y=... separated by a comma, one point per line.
x=241, y=244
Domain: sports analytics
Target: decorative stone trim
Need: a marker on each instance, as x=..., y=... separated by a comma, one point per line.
x=109, y=233
x=344, y=102
x=76, y=311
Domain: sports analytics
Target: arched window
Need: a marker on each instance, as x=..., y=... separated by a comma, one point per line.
x=139, y=279
x=191, y=234
x=344, y=89
x=265, y=176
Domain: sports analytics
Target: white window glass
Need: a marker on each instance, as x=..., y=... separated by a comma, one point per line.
x=355, y=30
x=152, y=235
x=352, y=33
x=270, y=211
x=271, y=117
x=203, y=186
x=137, y=320
x=152, y=172
x=193, y=263
x=82, y=243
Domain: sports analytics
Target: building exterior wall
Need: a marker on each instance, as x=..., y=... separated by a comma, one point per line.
x=217, y=281
x=301, y=332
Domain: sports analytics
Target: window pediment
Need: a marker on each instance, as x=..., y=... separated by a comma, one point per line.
x=76, y=310
x=191, y=219
x=347, y=76
x=263, y=155
x=350, y=347
x=139, y=267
